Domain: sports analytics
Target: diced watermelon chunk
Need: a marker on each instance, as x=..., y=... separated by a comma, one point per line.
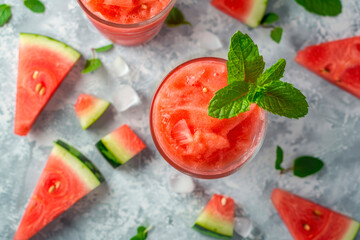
x=120, y=146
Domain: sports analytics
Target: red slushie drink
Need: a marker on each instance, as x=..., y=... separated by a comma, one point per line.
x=127, y=22
x=189, y=139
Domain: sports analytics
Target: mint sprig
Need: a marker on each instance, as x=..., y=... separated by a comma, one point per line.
x=104, y=48
x=303, y=166
x=95, y=63
x=276, y=32
x=322, y=7
x=247, y=83
x=176, y=18
x=35, y=6
x=5, y=14
x=141, y=233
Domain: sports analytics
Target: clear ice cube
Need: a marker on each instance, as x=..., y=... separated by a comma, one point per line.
x=207, y=40
x=181, y=183
x=125, y=97
x=120, y=67
x=243, y=226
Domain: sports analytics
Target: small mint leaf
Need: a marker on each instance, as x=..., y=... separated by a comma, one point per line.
x=229, y=101
x=245, y=62
x=104, y=48
x=91, y=65
x=176, y=18
x=279, y=158
x=141, y=233
x=306, y=165
x=322, y=7
x=5, y=14
x=274, y=73
x=269, y=18
x=35, y=6
x=283, y=99
x=276, y=34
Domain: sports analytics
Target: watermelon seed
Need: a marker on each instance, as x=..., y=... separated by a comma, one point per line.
x=35, y=75
x=205, y=90
x=51, y=189
x=57, y=184
x=306, y=227
x=317, y=213
x=144, y=6
x=38, y=87
x=223, y=201
x=42, y=91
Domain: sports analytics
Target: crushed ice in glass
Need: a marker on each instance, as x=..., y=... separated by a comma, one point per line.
x=181, y=183
x=125, y=97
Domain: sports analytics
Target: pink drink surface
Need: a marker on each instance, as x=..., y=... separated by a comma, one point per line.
x=126, y=11
x=184, y=131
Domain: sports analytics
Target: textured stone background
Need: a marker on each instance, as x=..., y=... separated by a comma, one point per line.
x=139, y=192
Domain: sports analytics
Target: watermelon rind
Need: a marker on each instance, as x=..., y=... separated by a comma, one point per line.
x=79, y=163
x=210, y=225
x=50, y=43
x=257, y=13
x=108, y=155
x=352, y=231
x=95, y=113
x=118, y=151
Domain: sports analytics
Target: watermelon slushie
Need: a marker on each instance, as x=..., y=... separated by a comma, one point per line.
x=189, y=139
x=127, y=22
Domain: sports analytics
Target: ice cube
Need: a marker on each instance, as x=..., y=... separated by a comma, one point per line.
x=120, y=67
x=207, y=40
x=181, y=183
x=125, y=97
x=243, y=226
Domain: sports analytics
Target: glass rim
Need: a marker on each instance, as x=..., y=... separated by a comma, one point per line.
x=131, y=25
x=232, y=168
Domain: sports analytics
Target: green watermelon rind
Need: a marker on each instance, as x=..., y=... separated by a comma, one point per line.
x=85, y=162
x=96, y=113
x=210, y=233
x=257, y=13
x=50, y=43
x=352, y=231
x=107, y=154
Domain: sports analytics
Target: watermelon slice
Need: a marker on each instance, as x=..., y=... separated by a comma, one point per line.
x=217, y=218
x=337, y=61
x=43, y=64
x=120, y=146
x=89, y=109
x=67, y=177
x=249, y=12
x=307, y=220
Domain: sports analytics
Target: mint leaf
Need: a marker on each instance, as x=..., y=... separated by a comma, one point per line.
x=176, y=18
x=104, y=48
x=306, y=165
x=229, y=101
x=269, y=18
x=35, y=6
x=245, y=62
x=5, y=14
x=91, y=65
x=275, y=72
x=322, y=7
x=283, y=99
x=279, y=158
x=276, y=34
x=141, y=233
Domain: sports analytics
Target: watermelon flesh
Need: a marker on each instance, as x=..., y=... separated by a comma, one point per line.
x=89, y=108
x=67, y=177
x=217, y=218
x=120, y=146
x=43, y=64
x=336, y=61
x=249, y=12
x=307, y=220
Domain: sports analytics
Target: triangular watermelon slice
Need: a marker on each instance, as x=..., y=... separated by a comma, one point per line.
x=67, y=177
x=217, y=218
x=43, y=64
x=336, y=61
x=89, y=108
x=307, y=220
x=249, y=12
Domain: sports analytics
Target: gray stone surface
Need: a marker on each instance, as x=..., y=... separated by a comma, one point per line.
x=139, y=192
